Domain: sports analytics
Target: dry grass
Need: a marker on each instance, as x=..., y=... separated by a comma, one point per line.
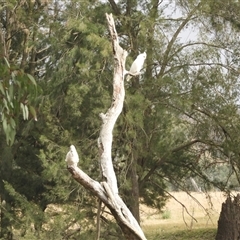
x=204, y=211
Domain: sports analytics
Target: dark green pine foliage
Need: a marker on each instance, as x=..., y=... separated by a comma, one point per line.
x=76, y=83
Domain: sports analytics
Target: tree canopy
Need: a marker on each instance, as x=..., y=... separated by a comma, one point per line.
x=180, y=118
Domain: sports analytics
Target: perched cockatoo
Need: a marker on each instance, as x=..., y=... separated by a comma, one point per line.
x=137, y=65
x=72, y=158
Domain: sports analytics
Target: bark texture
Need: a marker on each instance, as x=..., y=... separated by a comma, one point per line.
x=107, y=190
x=229, y=220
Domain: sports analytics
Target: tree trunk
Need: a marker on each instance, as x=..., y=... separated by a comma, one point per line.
x=107, y=190
x=134, y=201
x=229, y=220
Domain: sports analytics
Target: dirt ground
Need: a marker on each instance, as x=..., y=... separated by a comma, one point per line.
x=200, y=210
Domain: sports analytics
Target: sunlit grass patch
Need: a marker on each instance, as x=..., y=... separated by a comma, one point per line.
x=193, y=220
x=193, y=234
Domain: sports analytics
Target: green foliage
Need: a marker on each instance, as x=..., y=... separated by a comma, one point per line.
x=180, y=117
x=166, y=214
x=24, y=212
x=17, y=93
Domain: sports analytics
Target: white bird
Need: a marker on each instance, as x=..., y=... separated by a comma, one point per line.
x=72, y=158
x=137, y=65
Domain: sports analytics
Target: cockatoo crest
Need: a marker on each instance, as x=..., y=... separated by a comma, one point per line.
x=72, y=158
x=137, y=65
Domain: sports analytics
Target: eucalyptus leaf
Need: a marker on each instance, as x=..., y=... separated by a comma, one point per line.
x=32, y=79
x=1, y=88
x=23, y=111
x=26, y=111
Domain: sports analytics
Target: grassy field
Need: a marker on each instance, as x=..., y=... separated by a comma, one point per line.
x=192, y=219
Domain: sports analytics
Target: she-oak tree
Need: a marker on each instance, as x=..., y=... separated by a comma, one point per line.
x=107, y=190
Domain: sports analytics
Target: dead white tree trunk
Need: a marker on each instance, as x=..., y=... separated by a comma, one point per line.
x=107, y=191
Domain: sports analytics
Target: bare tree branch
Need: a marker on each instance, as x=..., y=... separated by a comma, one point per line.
x=107, y=191
x=173, y=39
x=115, y=7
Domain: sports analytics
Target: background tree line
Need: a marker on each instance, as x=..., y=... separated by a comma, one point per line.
x=180, y=119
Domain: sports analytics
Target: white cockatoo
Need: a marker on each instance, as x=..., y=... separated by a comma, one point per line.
x=137, y=65
x=72, y=158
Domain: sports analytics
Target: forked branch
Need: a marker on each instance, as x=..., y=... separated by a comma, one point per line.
x=107, y=191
